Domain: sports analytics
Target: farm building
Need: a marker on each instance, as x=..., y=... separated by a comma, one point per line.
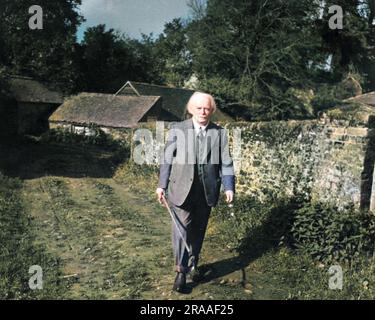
x=174, y=100
x=35, y=103
x=107, y=110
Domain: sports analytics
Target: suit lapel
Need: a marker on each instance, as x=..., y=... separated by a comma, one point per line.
x=212, y=138
x=189, y=141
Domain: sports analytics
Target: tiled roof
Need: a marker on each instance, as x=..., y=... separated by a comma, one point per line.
x=104, y=110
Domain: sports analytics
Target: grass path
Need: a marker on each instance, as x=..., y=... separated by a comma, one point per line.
x=114, y=243
x=98, y=217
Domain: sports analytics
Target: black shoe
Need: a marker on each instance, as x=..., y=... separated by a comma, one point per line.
x=179, y=282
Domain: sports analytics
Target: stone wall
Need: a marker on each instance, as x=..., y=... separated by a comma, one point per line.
x=331, y=161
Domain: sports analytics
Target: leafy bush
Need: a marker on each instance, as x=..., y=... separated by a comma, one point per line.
x=331, y=235
x=317, y=229
x=294, y=242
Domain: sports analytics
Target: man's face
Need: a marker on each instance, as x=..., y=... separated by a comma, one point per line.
x=201, y=110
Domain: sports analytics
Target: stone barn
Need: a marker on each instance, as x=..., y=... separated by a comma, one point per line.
x=35, y=103
x=106, y=111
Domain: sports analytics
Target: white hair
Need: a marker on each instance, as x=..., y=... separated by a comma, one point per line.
x=195, y=97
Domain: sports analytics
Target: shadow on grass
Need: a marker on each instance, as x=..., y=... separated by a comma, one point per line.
x=259, y=240
x=27, y=158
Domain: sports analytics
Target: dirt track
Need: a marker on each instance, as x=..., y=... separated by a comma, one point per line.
x=112, y=237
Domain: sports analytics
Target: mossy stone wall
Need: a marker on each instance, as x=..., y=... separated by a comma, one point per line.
x=329, y=161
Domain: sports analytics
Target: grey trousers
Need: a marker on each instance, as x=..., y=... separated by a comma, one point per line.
x=192, y=219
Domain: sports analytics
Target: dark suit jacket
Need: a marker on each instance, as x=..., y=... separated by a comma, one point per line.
x=178, y=165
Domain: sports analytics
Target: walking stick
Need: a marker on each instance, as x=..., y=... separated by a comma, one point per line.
x=172, y=214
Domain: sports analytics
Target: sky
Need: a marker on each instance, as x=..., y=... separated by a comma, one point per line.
x=132, y=17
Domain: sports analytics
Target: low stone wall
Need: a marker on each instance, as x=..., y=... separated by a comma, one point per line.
x=331, y=161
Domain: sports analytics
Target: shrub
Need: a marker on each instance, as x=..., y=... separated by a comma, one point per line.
x=331, y=235
x=317, y=229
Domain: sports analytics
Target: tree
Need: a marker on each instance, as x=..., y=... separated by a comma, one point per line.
x=172, y=46
x=367, y=66
x=350, y=45
x=104, y=59
x=262, y=47
x=47, y=54
x=109, y=59
x=148, y=64
x=257, y=55
x=198, y=8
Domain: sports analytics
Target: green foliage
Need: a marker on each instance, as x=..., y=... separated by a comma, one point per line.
x=330, y=95
x=110, y=58
x=173, y=45
x=91, y=136
x=262, y=54
x=331, y=235
x=252, y=55
x=147, y=63
x=317, y=229
x=46, y=54
x=294, y=242
x=257, y=53
x=352, y=44
x=326, y=97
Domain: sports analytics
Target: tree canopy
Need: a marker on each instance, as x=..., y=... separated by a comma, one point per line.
x=262, y=59
x=258, y=54
x=48, y=53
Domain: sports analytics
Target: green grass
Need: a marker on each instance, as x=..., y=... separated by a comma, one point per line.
x=305, y=278
x=19, y=250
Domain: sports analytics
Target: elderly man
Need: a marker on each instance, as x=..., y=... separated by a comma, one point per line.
x=196, y=162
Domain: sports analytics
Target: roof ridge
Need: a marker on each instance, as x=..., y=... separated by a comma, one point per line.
x=111, y=95
x=160, y=86
x=361, y=95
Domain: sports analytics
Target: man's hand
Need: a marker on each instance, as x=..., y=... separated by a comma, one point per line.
x=229, y=196
x=161, y=193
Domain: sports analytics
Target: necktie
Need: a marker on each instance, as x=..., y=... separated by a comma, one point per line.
x=199, y=150
x=200, y=134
